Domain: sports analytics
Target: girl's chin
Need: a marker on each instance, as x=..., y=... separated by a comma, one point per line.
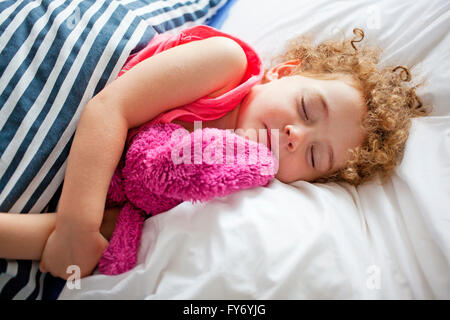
x=284, y=179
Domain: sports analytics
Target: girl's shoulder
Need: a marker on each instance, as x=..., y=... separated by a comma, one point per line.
x=222, y=100
x=164, y=41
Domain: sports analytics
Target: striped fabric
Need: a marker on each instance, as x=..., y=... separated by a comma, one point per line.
x=174, y=15
x=54, y=56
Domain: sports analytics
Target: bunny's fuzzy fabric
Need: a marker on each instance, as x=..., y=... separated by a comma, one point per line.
x=165, y=165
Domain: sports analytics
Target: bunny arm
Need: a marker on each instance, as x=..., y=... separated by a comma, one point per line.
x=121, y=253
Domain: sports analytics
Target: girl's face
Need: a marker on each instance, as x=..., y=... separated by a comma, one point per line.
x=318, y=121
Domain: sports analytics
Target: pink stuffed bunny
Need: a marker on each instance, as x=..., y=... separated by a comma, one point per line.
x=164, y=166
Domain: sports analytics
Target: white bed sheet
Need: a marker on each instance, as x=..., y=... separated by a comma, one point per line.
x=317, y=241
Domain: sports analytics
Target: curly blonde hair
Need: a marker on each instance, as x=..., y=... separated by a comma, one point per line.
x=390, y=102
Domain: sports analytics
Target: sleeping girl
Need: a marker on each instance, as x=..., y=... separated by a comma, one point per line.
x=338, y=115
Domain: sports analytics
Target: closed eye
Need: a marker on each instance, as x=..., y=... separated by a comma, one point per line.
x=312, y=156
x=304, y=109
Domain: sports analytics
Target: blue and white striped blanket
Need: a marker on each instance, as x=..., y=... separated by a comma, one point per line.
x=54, y=57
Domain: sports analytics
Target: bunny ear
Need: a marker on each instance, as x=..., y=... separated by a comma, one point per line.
x=357, y=32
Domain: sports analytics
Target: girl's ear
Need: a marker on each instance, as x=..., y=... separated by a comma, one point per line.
x=282, y=69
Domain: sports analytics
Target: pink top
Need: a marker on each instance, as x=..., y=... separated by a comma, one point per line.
x=204, y=108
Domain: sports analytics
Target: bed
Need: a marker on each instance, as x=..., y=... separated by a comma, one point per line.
x=316, y=241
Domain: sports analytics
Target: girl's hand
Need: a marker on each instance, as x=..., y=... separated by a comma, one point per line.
x=67, y=247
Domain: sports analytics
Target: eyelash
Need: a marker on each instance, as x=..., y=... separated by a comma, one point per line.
x=304, y=109
x=307, y=118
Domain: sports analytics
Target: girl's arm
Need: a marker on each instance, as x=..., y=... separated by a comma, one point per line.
x=172, y=78
x=23, y=236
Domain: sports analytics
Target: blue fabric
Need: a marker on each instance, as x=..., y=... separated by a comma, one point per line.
x=183, y=13
x=54, y=56
x=219, y=18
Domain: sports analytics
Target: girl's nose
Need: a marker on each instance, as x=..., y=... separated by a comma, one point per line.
x=295, y=137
